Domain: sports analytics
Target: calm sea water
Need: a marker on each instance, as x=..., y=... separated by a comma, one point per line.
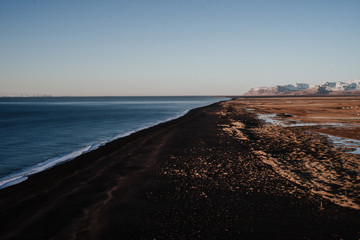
x=38, y=133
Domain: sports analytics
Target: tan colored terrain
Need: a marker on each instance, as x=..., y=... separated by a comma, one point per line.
x=303, y=157
x=322, y=110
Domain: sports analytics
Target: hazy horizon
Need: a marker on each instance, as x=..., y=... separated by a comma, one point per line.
x=174, y=48
x=107, y=96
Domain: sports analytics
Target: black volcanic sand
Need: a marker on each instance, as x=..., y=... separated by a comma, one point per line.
x=184, y=179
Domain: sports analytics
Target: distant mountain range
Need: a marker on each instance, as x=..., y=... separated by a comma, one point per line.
x=328, y=88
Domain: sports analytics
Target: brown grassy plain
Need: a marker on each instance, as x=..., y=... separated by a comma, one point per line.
x=321, y=110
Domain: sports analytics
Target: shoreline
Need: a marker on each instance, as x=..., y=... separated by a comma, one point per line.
x=23, y=174
x=197, y=176
x=52, y=179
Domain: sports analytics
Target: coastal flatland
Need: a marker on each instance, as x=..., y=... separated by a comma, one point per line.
x=218, y=172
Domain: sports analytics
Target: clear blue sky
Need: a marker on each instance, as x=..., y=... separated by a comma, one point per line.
x=170, y=47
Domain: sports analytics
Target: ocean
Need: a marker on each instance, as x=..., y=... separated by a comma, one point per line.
x=38, y=133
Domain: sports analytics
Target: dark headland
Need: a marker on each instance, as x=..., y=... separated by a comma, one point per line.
x=215, y=173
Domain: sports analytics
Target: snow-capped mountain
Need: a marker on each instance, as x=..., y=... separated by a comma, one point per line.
x=342, y=86
x=350, y=87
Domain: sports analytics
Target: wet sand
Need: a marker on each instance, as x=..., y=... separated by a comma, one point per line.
x=216, y=173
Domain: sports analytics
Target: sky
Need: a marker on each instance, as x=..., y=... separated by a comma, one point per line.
x=174, y=47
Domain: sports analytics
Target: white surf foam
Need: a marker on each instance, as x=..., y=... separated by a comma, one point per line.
x=24, y=174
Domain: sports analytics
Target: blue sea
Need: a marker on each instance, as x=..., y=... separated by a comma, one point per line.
x=41, y=132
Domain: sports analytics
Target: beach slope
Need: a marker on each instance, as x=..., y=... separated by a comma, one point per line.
x=202, y=175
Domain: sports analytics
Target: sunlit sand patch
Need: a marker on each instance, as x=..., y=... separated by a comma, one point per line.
x=235, y=131
x=326, y=174
x=234, y=128
x=298, y=155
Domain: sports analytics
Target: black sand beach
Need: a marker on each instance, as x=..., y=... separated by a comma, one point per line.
x=199, y=176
